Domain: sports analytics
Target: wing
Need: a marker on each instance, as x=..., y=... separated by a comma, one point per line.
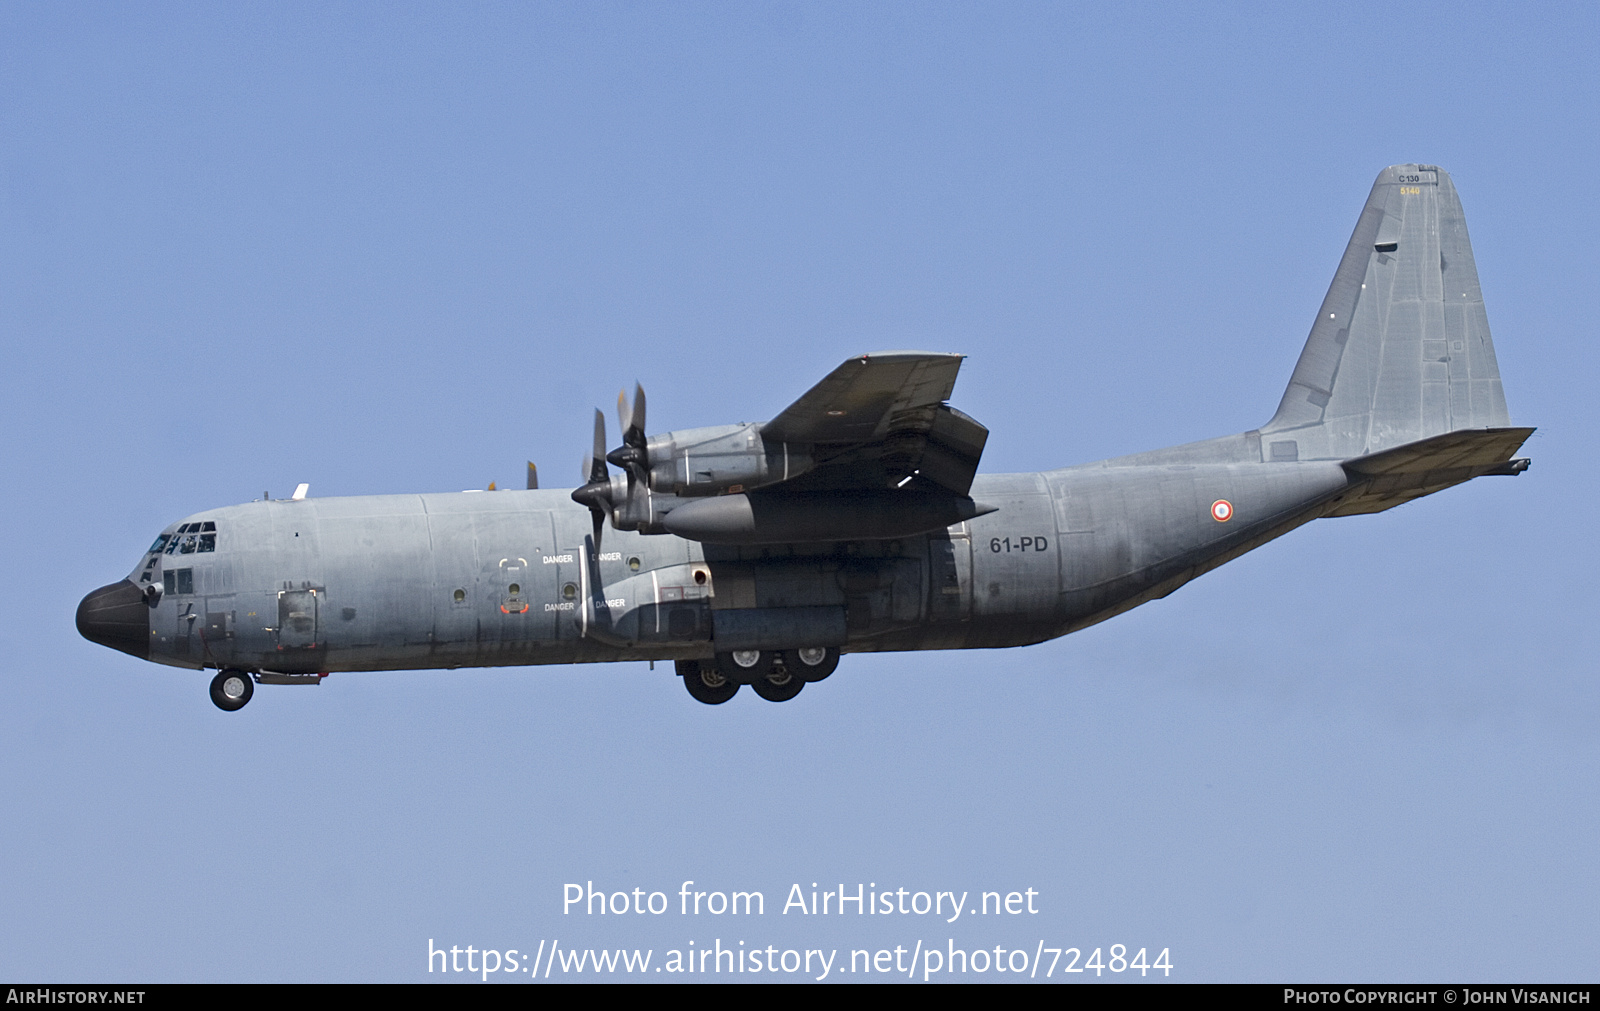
x=880, y=421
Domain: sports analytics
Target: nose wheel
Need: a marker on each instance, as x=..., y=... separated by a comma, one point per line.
x=231, y=689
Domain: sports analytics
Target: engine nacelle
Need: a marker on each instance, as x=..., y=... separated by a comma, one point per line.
x=709, y=461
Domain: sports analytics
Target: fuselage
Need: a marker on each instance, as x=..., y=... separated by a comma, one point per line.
x=500, y=578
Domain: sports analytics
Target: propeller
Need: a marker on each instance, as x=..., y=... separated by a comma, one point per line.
x=632, y=456
x=596, y=493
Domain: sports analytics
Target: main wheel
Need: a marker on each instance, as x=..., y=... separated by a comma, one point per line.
x=779, y=685
x=705, y=683
x=745, y=666
x=231, y=689
x=813, y=663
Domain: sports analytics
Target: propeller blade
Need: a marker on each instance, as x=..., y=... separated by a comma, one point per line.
x=596, y=491
x=597, y=465
x=533, y=476
x=633, y=435
x=631, y=456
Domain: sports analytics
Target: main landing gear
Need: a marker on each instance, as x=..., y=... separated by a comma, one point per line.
x=231, y=689
x=775, y=675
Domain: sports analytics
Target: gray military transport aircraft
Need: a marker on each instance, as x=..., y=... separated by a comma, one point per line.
x=854, y=521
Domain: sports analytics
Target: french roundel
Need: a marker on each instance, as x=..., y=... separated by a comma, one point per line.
x=1222, y=510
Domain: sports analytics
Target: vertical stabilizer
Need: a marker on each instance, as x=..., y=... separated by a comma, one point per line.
x=1400, y=350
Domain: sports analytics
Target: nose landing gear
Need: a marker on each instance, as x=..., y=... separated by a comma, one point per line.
x=231, y=689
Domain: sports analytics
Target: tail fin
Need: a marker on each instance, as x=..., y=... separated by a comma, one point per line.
x=1400, y=350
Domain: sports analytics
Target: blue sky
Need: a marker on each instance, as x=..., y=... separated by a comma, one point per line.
x=382, y=248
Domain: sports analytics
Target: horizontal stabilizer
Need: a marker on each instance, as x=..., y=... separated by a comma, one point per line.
x=1484, y=447
x=1384, y=480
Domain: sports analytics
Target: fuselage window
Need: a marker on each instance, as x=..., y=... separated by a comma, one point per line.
x=178, y=581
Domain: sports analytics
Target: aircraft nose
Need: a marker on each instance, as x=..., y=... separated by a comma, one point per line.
x=117, y=616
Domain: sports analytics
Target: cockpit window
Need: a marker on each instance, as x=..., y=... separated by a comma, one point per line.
x=187, y=539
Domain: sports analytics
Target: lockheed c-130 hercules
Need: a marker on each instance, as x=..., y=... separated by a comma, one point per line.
x=854, y=521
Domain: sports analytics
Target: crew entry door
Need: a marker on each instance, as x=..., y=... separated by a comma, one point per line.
x=298, y=626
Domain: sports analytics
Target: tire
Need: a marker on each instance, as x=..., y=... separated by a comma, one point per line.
x=705, y=683
x=231, y=689
x=745, y=666
x=813, y=672
x=779, y=685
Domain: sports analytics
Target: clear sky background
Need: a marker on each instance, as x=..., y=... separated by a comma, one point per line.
x=382, y=249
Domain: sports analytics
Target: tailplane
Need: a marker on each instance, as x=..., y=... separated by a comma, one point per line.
x=1400, y=351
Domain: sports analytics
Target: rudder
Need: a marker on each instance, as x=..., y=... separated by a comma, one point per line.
x=1400, y=350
